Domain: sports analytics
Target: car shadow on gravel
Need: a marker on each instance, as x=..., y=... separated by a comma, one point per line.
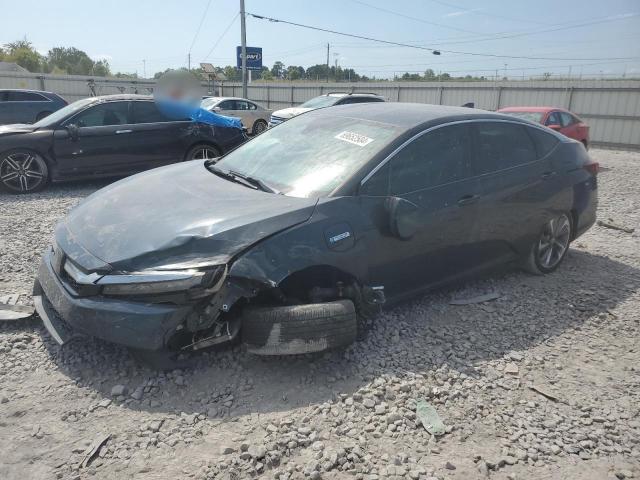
x=81, y=188
x=420, y=337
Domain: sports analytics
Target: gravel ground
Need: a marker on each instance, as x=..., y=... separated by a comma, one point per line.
x=351, y=414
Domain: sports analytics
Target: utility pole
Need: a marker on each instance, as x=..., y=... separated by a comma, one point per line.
x=189, y=61
x=144, y=67
x=243, y=35
x=327, y=63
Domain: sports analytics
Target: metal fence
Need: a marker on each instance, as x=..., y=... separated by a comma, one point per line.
x=610, y=107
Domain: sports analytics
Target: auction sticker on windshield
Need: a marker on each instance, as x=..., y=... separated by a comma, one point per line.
x=355, y=138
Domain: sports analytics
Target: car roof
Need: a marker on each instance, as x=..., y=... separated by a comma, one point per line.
x=345, y=94
x=28, y=90
x=531, y=109
x=408, y=115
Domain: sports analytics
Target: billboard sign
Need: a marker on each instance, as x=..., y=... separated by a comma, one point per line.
x=254, y=58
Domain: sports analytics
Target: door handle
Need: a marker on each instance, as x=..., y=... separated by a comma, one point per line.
x=468, y=200
x=118, y=132
x=546, y=175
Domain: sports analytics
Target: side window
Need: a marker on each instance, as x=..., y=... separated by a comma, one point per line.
x=3, y=96
x=567, y=119
x=102, y=115
x=378, y=184
x=25, y=97
x=545, y=142
x=227, y=105
x=436, y=158
x=241, y=105
x=553, y=119
x=502, y=145
x=252, y=106
x=147, y=112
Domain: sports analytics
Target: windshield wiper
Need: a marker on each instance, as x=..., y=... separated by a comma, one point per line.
x=259, y=184
x=241, y=179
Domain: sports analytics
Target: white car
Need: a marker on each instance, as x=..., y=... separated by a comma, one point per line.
x=326, y=100
x=254, y=116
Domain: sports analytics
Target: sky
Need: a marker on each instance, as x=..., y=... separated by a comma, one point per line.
x=588, y=37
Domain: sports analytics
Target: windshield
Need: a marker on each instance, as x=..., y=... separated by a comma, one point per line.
x=320, y=102
x=209, y=102
x=310, y=155
x=531, y=116
x=61, y=114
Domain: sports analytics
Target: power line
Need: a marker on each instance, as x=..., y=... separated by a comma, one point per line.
x=222, y=35
x=419, y=47
x=414, y=18
x=204, y=15
x=480, y=12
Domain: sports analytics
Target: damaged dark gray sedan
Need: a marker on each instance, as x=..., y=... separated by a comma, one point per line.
x=286, y=242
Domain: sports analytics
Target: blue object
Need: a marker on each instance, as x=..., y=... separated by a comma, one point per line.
x=254, y=57
x=179, y=110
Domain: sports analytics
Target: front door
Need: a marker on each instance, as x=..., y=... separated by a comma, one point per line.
x=156, y=139
x=434, y=173
x=102, y=145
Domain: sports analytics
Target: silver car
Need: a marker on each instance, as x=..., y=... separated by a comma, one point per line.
x=253, y=115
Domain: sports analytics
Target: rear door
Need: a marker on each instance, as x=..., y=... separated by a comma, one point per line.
x=433, y=172
x=513, y=193
x=103, y=145
x=155, y=139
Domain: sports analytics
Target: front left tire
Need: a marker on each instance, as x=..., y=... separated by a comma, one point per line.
x=202, y=151
x=23, y=171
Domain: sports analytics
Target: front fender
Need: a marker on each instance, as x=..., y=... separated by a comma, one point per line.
x=333, y=236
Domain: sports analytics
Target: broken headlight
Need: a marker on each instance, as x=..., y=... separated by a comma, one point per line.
x=160, y=281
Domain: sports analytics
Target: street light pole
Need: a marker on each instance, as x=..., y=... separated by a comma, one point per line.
x=243, y=34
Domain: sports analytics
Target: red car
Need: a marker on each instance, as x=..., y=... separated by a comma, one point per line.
x=558, y=119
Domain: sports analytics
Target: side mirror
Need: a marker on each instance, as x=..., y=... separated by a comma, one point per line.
x=555, y=126
x=73, y=130
x=403, y=217
x=217, y=109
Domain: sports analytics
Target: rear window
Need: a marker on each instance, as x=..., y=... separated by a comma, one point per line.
x=531, y=116
x=503, y=145
x=545, y=142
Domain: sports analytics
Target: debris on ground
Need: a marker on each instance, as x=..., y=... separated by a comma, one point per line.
x=487, y=297
x=614, y=226
x=429, y=417
x=544, y=392
x=93, y=449
x=15, y=312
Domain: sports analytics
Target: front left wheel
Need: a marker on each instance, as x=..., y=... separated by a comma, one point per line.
x=202, y=152
x=551, y=245
x=23, y=171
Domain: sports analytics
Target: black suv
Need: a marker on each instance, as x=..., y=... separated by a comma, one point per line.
x=104, y=136
x=28, y=106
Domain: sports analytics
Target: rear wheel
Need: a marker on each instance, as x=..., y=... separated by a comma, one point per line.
x=23, y=171
x=259, y=126
x=551, y=246
x=202, y=152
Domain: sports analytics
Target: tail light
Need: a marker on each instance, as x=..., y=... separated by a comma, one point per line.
x=592, y=167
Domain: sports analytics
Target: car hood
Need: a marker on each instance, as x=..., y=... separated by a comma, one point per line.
x=290, y=112
x=16, y=128
x=180, y=216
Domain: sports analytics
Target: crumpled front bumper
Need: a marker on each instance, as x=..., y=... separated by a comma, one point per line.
x=133, y=324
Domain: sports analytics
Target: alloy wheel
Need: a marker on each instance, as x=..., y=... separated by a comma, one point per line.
x=554, y=241
x=23, y=171
x=259, y=127
x=204, y=153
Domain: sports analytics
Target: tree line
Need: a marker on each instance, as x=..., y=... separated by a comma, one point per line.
x=73, y=61
x=60, y=60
